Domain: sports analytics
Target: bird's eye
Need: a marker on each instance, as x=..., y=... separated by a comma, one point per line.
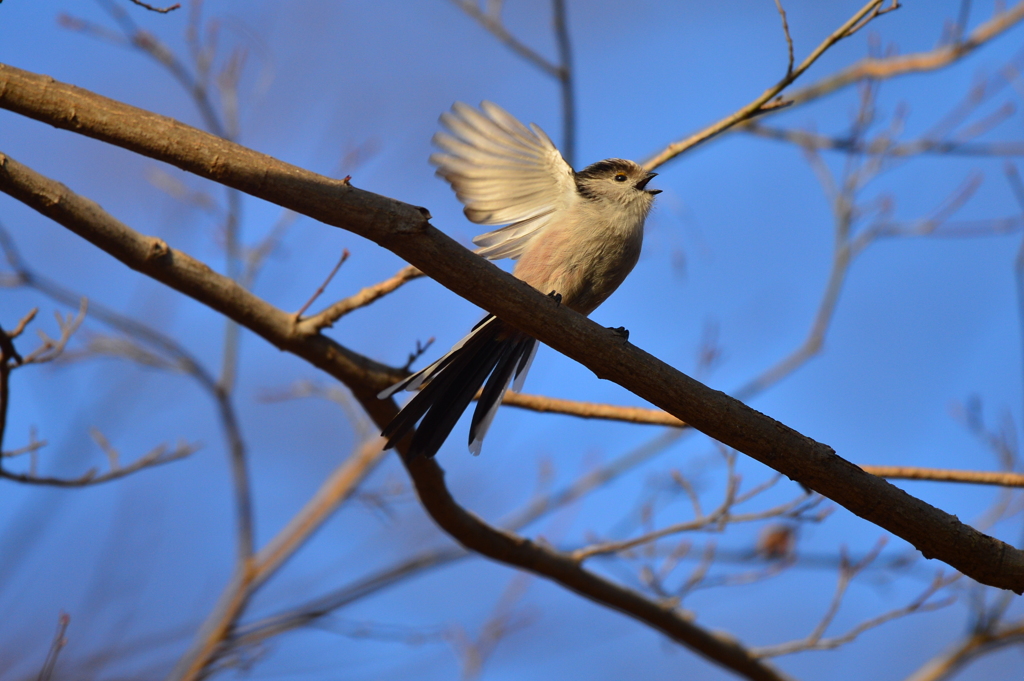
x=620, y=178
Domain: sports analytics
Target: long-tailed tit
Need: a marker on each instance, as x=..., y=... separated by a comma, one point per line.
x=574, y=235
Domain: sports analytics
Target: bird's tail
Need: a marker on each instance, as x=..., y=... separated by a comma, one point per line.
x=492, y=349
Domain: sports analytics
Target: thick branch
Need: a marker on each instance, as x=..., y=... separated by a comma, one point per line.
x=404, y=230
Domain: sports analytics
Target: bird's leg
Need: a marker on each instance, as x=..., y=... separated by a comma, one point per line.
x=556, y=296
x=620, y=331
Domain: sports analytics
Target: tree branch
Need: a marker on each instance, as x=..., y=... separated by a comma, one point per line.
x=512, y=549
x=405, y=230
x=999, y=478
x=889, y=67
x=761, y=104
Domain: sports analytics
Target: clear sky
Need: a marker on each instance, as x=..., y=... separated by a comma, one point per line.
x=738, y=250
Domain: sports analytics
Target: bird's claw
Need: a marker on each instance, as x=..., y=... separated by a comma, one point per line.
x=620, y=331
x=556, y=296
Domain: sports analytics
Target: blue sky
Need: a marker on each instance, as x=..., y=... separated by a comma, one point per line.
x=739, y=242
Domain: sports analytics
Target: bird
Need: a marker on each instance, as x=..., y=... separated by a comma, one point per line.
x=573, y=235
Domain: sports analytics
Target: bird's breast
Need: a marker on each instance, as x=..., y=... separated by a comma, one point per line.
x=584, y=256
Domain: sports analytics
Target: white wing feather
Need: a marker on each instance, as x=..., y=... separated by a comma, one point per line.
x=504, y=173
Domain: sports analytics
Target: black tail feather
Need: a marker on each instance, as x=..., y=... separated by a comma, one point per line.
x=498, y=383
x=442, y=400
x=448, y=406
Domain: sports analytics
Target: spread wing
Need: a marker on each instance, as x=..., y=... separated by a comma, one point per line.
x=504, y=173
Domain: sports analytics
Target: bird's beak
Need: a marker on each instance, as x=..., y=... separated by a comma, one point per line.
x=643, y=183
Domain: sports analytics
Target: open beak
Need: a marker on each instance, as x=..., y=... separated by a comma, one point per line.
x=643, y=183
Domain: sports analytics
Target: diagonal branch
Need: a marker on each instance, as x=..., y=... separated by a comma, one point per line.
x=998, y=478
x=215, y=637
x=493, y=23
x=405, y=230
x=889, y=67
x=761, y=103
x=156, y=457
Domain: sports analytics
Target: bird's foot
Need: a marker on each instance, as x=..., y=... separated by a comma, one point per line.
x=556, y=296
x=620, y=331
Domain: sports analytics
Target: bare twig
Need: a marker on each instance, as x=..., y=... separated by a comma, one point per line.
x=113, y=456
x=1017, y=185
x=789, y=38
x=256, y=256
x=210, y=641
x=960, y=28
x=842, y=195
x=871, y=10
x=306, y=613
x=155, y=457
x=716, y=519
x=34, y=445
x=368, y=295
x=182, y=360
x=565, y=81
x=50, y=348
x=502, y=622
x=998, y=478
x=161, y=10
x=491, y=21
x=323, y=286
x=59, y=641
x=434, y=558
x=591, y=410
x=225, y=126
x=880, y=68
x=813, y=140
x=417, y=353
x=972, y=646
x=815, y=641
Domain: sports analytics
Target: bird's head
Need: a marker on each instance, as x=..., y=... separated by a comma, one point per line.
x=616, y=180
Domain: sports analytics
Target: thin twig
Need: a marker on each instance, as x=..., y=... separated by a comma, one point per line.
x=789, y=38
x=326, y=318
x=806, y=139
x=33, y=446
x=591, y=410
x=998, y=478
x=323, y=286
x=720, y=516
x=59, y=641
x=161, y=10
x=565, y=81
x=919, y=604
x=1017, y=185
x=492, y=22
x=865, y=14
x=880, y=68
x=156, y=457
x=946, y=664
x=339, y=486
